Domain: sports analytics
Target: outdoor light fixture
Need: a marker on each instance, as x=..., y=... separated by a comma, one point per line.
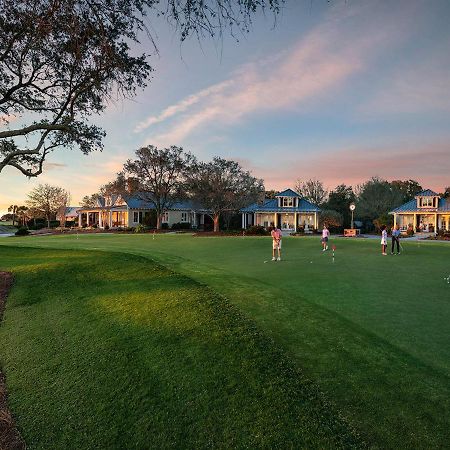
x=352, y=208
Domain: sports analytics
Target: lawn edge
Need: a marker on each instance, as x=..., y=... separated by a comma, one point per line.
x=10, y=438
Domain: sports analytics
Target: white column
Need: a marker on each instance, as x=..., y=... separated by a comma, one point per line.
x=243, y=221
x=110, y=219
x=87, y=218
x=100, y=221
x=295, y=222
x=275, y=220
x=79, y=220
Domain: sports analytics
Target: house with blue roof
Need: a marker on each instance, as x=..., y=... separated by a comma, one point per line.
x=288, y=211
x=118, y=211
x=427, y=212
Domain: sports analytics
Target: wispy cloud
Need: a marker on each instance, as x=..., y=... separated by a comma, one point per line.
x=316, y=65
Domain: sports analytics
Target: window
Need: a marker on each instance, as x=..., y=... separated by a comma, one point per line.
x=165, y=217
x=427, y=202
x=184, y=216
x=135, y=217
x=288, y=202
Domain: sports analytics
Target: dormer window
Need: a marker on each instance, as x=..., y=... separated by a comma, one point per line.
x=427, y=202
x=287, y=202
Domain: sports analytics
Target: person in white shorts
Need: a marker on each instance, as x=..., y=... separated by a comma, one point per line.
x=276, y=243
x=325, y=236
x=384, y=237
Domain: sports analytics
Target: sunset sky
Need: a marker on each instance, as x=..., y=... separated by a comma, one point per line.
x=340, y=91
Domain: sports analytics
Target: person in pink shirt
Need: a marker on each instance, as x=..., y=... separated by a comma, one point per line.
x=276, y=243
x=325, y=236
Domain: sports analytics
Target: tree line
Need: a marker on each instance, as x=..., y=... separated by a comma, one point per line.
x=373, y=200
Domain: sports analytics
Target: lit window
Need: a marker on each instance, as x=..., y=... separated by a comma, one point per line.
x=427, y=202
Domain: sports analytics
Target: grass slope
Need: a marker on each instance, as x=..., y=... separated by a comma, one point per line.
x=371, y=330
x=108, y=350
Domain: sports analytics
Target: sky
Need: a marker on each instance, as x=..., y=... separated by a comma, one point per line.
x=339, y=91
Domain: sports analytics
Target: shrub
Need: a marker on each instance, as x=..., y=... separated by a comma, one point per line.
x=410, y=232
x=257, y=230
x=22, y=231
x=54, y=223
x=164, y=226
x=139, y=228
x=106, y=227
x=94, y=226
x=85, y=225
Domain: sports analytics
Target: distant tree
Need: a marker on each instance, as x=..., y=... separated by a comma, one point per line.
x=162, y=174
x=408, y=189
x=313, y=190
x=339, y=200
x=446, y=193
x=90, y=201
x=65, y=61
x=384, y=219
x=22, y=214
x=64, y=203
x=13, y=210
x=331, y=218
x=376, y=198
x=46, y=199
x=270, y=194
x=7, y=217
x=222, y=186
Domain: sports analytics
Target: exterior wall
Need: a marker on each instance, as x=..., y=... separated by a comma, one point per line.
x=265, y=220
x=444, y=221
x=305, y=219
x=177, y=217
x=404, y=221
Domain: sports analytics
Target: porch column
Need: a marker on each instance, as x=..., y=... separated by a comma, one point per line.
x=254, y=219
x=395, y=220
x=243, y=221
x=100, y=221
x=316, y=224
x=79, y=220
x=295, y=222
x=415, y=222
x=435, y=222
x=110, y=219
x=275, y=220
x=87, y=219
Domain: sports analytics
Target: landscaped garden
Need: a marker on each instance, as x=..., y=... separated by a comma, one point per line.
x=180, y=341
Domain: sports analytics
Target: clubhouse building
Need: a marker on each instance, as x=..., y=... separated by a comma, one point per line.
x=118, y=211
x=427, y=212
x=288, y=211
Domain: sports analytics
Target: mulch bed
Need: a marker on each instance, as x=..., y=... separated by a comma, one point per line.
x=10, y=438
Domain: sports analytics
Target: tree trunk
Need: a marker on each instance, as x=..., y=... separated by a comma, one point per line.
x=158, y=220
x=48, y=221
x=216, y=223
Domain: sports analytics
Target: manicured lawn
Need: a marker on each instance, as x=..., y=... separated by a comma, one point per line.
x=108, y=350
x=371, y=331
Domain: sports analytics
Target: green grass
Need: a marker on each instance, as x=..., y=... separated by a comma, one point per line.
x=371, y=331
x=109, y=350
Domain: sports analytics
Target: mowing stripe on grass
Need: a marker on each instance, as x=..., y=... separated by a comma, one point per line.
x=115, y=351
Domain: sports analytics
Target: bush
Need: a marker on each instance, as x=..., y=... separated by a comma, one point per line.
x=22, y=231
x=257, y=230
x=54, y=223
x=181, y=226
x=410, y=232
x=164, y=226
x=106, y=227
x=139, y=228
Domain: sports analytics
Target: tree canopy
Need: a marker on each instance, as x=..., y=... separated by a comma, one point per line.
x=223, y=186
x=313, y=190
x=64, y=61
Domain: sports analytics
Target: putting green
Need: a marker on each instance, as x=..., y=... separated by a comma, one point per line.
x=372, y=331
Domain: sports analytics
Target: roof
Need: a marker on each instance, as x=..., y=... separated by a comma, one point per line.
x=271, y=205
x=143, y=201
x=411, y=207
x=72, y=211
x=427, y=193
x=288, y=193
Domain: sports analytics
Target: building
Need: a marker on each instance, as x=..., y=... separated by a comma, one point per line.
x=426, y=212
x=288, y=211
x=118, y=211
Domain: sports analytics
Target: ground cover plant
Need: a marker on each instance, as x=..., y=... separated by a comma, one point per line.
x=371, y=331
x=109, y=350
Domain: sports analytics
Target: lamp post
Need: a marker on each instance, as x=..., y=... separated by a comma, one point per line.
x=352, y=208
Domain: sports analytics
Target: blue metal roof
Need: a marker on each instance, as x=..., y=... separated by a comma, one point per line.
x=427, y=193
x=142, y=201
x=411, y=206
x=271, y=205
x=288, y=193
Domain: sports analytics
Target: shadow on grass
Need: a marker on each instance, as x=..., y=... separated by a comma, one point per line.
x=148, y=358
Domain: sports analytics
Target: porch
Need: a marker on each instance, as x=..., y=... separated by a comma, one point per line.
x=285, y=221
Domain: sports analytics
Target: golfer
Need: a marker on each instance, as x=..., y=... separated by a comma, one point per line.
x=395, y=240
x=383, y=240
x=276, y=243
x=325, y=236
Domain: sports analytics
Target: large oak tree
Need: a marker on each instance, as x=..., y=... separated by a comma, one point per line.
x=63, y=61
x=222, y=186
